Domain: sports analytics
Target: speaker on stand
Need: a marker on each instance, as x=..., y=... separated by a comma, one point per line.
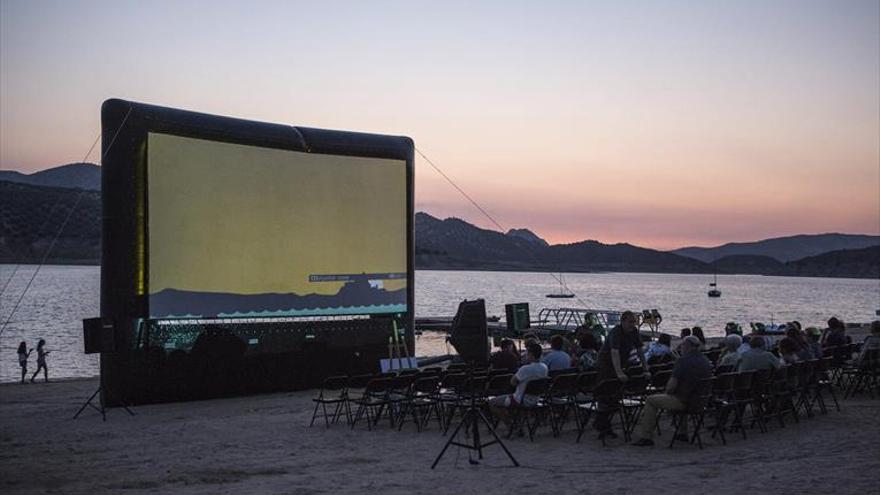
x=99, y=337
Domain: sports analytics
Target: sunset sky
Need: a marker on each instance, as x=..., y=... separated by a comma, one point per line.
x=661, y=124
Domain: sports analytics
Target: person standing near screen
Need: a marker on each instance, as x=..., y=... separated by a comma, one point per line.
x=41, y=361
x=23, y=355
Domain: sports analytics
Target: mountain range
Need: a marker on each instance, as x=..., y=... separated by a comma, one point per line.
x=72, y=175
x=782, y=248
x=34, y=207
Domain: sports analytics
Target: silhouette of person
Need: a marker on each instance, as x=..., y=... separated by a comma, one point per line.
x=41, y=361
x=23, y=355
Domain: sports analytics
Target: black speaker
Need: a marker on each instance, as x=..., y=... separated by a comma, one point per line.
x=518, y=318
x=98, y=335
x=469, y=334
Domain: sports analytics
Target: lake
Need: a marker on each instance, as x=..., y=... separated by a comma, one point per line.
x=61, y=296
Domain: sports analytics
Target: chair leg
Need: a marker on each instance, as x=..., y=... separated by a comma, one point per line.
x=697, y=420
x=314, y=414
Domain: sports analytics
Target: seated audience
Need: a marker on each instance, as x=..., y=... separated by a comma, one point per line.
x=681, y=390
x=732, y=328
x=698, y=333
x=799, y=340
x=684, y=333
x=814, y=335
x=871, y=343
x=588, y=352
x=788, y=351
x=660, y=350
x=556, y=358
x=526, y=373
x=835, y=334
x=756, y=357
x=507, y=358
x=745, y=344
x=730, y=355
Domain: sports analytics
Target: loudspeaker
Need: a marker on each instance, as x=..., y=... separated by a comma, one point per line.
x=517, y=316
x=469, y=334
x=98, y=335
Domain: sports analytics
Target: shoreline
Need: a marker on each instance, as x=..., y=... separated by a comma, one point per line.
x=492, y=270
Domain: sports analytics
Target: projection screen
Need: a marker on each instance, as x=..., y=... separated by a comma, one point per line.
x=237, y=230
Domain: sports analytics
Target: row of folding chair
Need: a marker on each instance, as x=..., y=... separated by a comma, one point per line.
x=735, y=400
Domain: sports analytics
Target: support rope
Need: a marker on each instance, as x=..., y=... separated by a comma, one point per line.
x=494, y=222
x=65, y=222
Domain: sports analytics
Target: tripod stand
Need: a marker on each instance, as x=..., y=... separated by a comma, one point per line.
x=101, y=408
x=470, y=420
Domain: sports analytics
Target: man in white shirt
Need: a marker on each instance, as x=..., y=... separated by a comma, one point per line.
x=526, y=373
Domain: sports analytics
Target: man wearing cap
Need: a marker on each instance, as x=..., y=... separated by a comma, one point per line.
x=681, y=389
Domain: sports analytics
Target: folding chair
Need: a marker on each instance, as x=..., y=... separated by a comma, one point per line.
x=372, y=401
x=696, y=412
x=561, y=400
x=723, y=402
x=606, y=397
x=584, y=400
x=422, y=397
x=822, y=381
x=530, y=414
x=333, y=392
x=632, y=401
x=354, y=389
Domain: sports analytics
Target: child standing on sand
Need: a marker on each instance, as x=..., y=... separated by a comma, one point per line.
x=41, y=360
x=23, y=355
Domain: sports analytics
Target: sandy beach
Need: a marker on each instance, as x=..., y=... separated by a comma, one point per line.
x=263, y=444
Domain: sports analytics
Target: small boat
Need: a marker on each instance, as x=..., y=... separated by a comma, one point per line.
x=714, y=292
x=561, y=294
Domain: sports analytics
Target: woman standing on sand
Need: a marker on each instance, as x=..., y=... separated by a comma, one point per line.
x=41, y=360
x=23, y=355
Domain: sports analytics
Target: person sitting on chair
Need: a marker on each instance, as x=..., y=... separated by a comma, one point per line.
x=756, y=358
x=681, y=389
x=505, y=359
x=589, y=352
x=660, y=350
x=814, y=335
x=730, y=356
x=872, y=343
x=526, y=373
x=835, y=335
x=557, y=359
x=788, y=351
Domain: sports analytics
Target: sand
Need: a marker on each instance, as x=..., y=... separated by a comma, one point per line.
x=263, y=444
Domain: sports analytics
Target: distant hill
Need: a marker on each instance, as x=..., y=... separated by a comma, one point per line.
x=73, y=175
x=855, y=263
x=751, y=263
x=31, y=216
x=527, y=235
x=455, y=244
x=783, y=248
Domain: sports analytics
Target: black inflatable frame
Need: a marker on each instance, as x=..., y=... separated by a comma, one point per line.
x=137, y=373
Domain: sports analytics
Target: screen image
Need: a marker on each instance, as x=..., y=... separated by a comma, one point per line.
x=244, y=231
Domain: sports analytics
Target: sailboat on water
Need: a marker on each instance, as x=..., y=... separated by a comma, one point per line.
x=562, y=294
x=713, y=291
